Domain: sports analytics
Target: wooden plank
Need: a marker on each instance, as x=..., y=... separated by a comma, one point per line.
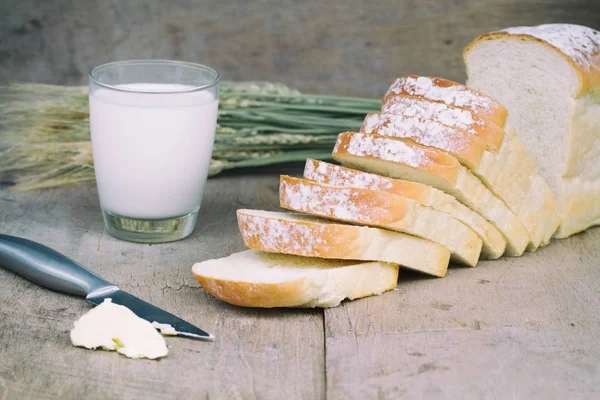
x=523, y=327
x=354, y=48
x=257, y=354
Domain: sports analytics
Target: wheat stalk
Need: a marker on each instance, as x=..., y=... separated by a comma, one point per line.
x=45, y=139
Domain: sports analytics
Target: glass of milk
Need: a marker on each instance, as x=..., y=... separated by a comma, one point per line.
x=153, y=127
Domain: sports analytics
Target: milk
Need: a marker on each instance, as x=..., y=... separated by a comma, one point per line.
x=151, y=151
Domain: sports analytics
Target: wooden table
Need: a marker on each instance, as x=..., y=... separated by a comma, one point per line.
x=525, y=327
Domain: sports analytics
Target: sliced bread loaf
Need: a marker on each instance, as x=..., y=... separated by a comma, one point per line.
x=553, y=97
x=404, y=159
x=305, y=235
x=256, y=279
x=510, y=172
x=383, y=210
x=494, y=243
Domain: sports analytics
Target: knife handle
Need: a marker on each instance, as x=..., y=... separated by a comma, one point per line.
x=47, y=267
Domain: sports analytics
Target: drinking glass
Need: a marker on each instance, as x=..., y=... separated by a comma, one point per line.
x=152, y=126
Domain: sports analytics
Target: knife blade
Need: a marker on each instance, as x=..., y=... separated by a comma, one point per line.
x=55, y=271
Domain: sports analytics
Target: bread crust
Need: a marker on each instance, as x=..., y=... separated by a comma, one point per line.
x=325, y=286
x=450, y=93
x=466, y=147
x=326, y=240
x=587, y=72
x=275, y=295
x=430, y=160
x=494, y=243
x=313, y=237
x=264, y=295
x=330, y=174
x=491, y=134
x=383, y=210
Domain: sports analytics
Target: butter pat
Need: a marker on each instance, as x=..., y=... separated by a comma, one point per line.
x=114, y=327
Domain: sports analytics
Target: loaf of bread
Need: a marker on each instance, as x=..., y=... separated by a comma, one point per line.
x=256, y=279
x=305, y=235
x=554, y=105
x=383, y=210
x=444, y=171
x=509, y=171
x=494, y=243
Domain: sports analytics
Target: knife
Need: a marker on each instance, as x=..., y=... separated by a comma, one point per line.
x=52, y=270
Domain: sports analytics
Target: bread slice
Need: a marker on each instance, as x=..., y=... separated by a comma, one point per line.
x=512, y=175
x=404, y=159
x=414, y=106
x=466, y=147
x=452, y=94
x=494, y=243
x=256, y=279
x=554, y=104
x=383, y=210
x=304, y=235
x=510, y=172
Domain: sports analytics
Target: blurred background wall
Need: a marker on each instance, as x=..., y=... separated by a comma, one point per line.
x=332, y=47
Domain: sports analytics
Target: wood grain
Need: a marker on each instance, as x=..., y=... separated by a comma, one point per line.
x=514, y=328
x=347, y=48
x=255, y=352
x=522, y=328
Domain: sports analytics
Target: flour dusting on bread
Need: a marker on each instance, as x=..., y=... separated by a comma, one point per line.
x=578, y=42
x=275, y=231
x=427, y=132
x=452, y=94
x=388, y=149
x=431, y=110
x=339, y=176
